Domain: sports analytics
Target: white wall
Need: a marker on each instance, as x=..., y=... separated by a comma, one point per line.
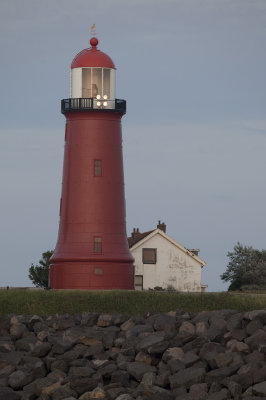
x=174, y=267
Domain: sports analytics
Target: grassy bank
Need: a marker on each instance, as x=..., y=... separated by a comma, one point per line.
x=43, y=302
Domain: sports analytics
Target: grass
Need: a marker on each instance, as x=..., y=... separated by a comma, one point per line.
x=134, y=303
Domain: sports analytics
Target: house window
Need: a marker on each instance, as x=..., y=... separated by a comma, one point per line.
x=138, y=282
x=98, y=271
x=98, y=168
x=97, y=245
x=149, y=256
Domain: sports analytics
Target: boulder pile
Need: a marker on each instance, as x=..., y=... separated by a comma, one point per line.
x=213, y=355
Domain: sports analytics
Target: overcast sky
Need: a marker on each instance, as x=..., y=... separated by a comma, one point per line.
x=194, y=136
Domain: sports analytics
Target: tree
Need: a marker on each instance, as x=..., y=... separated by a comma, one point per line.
x=246, y=268
x=39, y=274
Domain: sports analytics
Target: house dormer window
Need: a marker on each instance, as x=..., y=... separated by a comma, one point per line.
x=149, y=256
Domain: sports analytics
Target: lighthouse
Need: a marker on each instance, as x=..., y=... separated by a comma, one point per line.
x=92, y=249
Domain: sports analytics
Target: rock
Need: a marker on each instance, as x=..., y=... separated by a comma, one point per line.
x=8, y=394
x=63, y=322
x=187, y=377
x=105, y=320
x=138, y=369
x=175, y=353
x=17, y=330
x=89, y=319
x=128, y=324
x=138, y=329
x=40, y=349
x=149, y=341
x=250, y=315
x=148, y=379
x=26, y=344
x=259, y=389
x=187, y=329
x=190, y=358
x=201, y=328
x=217, y=375
x=19, y=379
x=221, y=395
x=234, y=345
x=234, y=388
x=97, y=393
x=162, y=379
x=253, y=326
x=164, y=323
x=234, y=322
x=143, y=357
x=124, y=396
x=257, y=339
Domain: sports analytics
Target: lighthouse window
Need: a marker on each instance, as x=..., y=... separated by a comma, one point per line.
x=98, y=271
x=97, y=244
x=98, y=168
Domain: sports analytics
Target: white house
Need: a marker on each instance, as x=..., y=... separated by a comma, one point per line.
x=160, y=261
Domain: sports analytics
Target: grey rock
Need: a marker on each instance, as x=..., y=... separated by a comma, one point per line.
x=234, y=322
x=63, y=392
x=124, y=396
x=217, y=375
x=137, y=329
x=259, y=389
x=148, y=341
x=190, y=358
x=253, y=326
x=8, y=394
x=187, y=329
x=176, y=353
x=26, y=343
x=257, y=339
x=158, y=348
x=89, y=319
x=137, y=369
x=221, y=395
x=40, y=349
x=148, y=379
x=187, y=377
x=162, y=379
x=18, y=379
x=17, y=330
x=250, y=315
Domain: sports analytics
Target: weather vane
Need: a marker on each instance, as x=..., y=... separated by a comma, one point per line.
x=93, y=30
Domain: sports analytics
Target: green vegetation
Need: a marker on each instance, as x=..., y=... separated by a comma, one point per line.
x=246, y=269
x=45, y=302
x=39, y=274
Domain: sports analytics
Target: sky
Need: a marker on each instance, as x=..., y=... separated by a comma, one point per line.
x=194, y=136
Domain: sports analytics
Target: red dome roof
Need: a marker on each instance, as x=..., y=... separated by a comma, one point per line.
x=92, y=57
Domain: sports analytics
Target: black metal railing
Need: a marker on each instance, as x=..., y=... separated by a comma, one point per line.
x=85, y=104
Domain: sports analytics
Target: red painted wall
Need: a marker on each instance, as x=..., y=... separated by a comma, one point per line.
x=92, y=206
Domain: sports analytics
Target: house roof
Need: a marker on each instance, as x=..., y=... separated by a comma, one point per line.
x=138, y=239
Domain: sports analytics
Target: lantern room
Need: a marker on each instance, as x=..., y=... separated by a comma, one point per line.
x=93, y=76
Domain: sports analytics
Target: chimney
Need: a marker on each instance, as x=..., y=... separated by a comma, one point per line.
x=194, y=251
x=135, y=233
x=161, y=226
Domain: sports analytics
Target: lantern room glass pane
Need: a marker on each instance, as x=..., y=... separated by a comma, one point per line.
x=106, y=83
x=96, y=82
x=86, y=83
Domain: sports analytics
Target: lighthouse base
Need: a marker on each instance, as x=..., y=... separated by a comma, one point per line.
x=91, y=276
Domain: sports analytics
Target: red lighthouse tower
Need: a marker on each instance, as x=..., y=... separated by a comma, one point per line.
x=92, y=250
